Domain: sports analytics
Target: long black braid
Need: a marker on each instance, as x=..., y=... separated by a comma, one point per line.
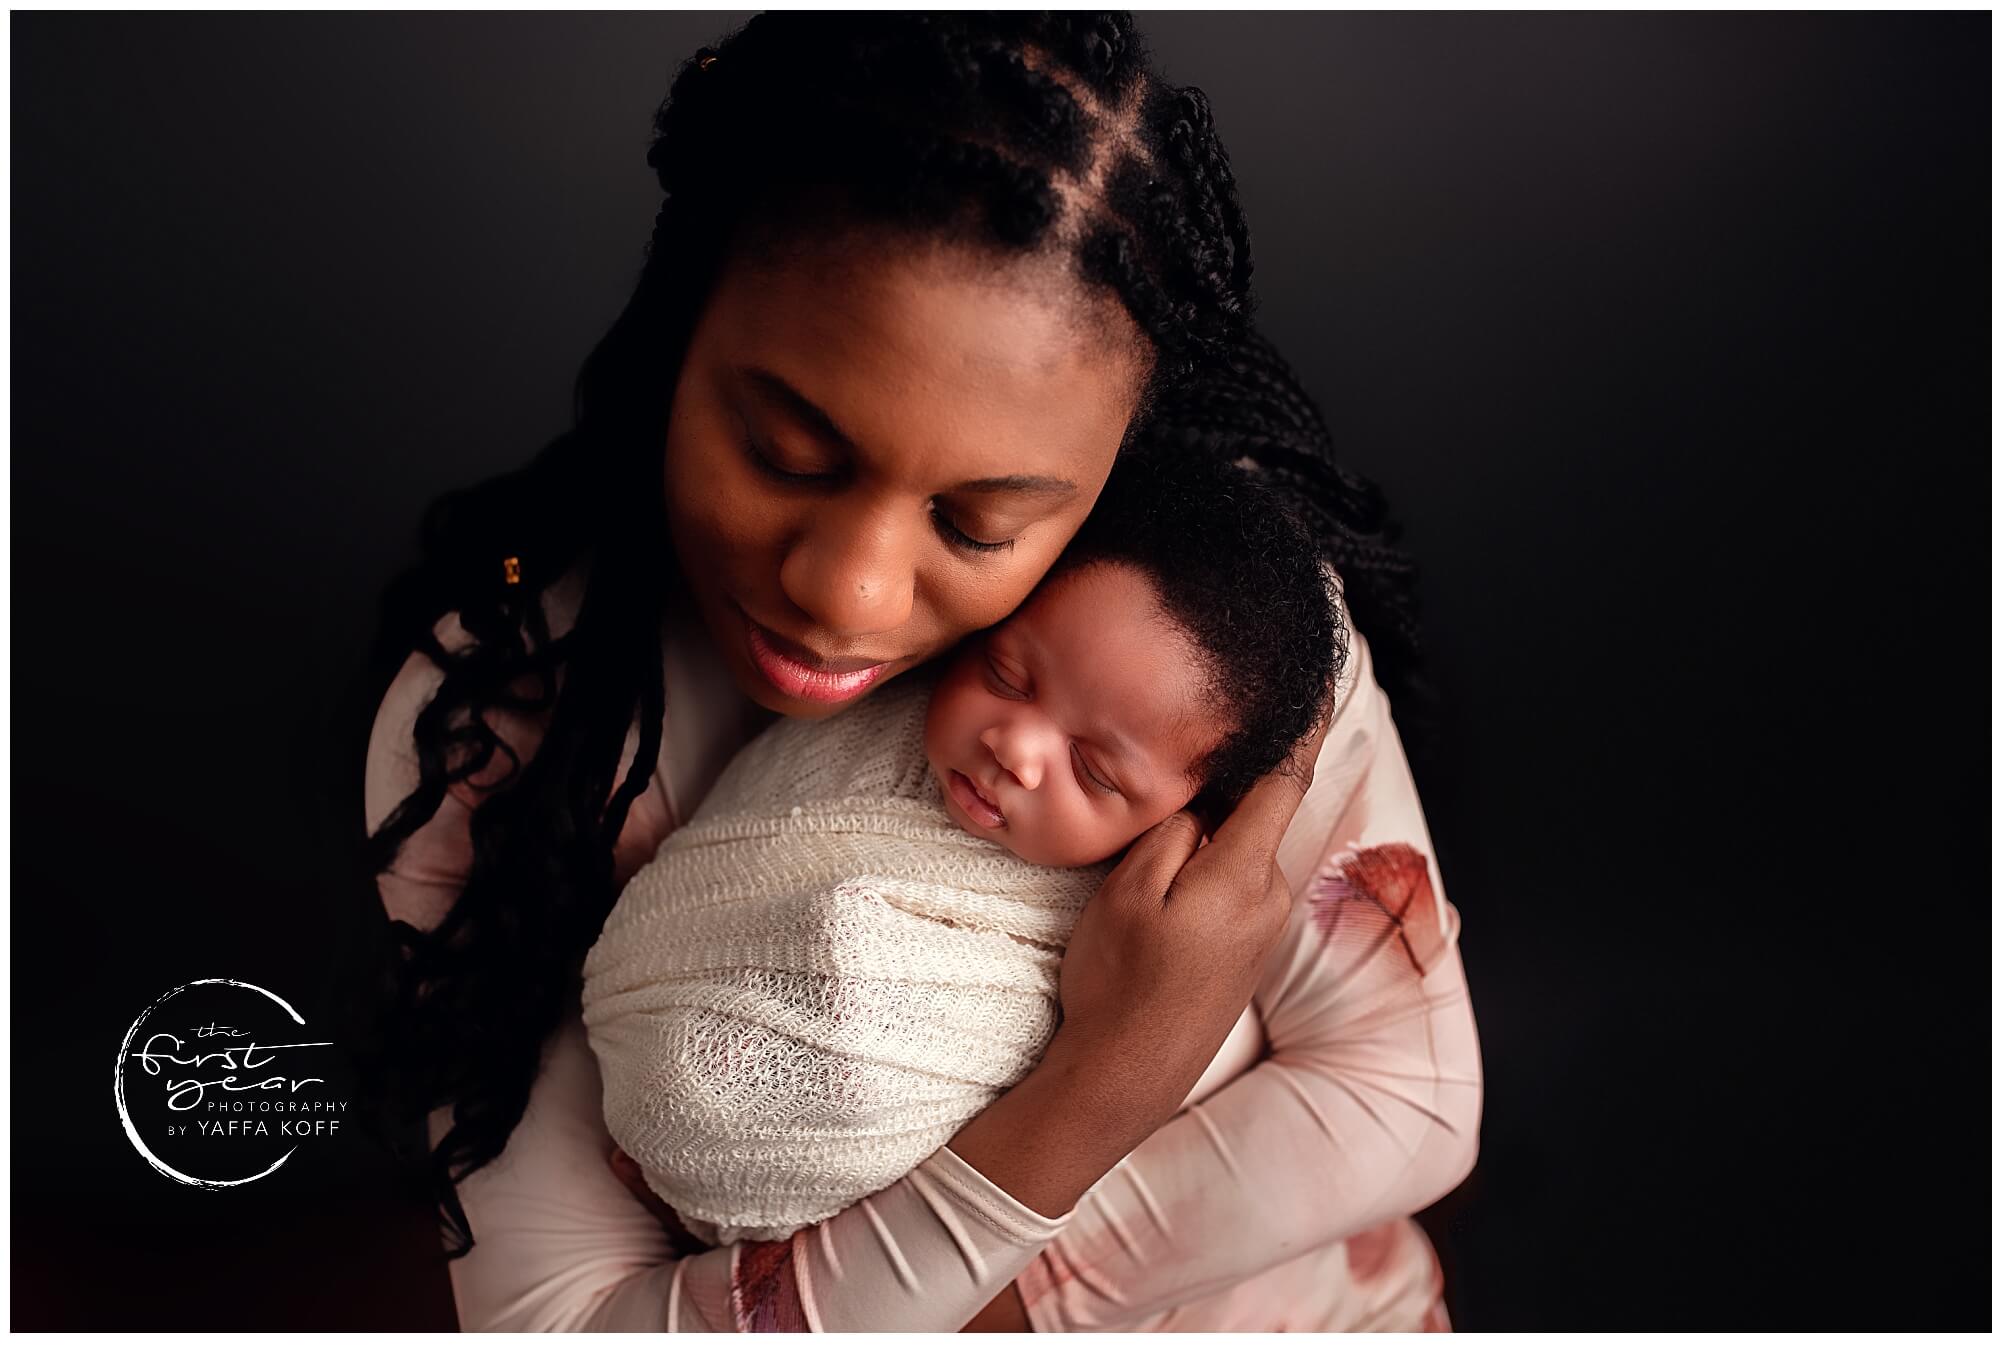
x=1014, y=133
x=1229, y=499
x=1250, y=406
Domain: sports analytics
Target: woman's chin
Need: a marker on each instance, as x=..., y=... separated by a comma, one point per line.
x=806, y=710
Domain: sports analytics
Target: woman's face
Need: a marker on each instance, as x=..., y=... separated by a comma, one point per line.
x=873, y=453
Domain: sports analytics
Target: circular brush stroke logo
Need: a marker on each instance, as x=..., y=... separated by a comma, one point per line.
x=153, y=1159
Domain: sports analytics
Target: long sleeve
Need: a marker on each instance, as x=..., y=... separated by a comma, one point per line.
x=1367, y=1105
x=561, y=1245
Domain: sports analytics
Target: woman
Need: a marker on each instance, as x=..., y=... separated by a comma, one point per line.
x=915, y=279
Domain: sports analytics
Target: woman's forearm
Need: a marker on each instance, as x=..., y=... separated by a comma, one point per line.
x=1367, y=1106
x=1048, y=1139
x=562, y=1245
x=1038, y=1142
x=1364, y=1112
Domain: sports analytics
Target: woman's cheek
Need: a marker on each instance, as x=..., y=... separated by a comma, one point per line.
x=971, y=595
x=735, y=526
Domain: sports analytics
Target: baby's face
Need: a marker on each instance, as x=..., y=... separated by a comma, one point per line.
x=1072, y=728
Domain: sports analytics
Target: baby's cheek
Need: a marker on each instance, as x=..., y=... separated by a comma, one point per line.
x=1077, y=835
x=1122, y=823
x=1111, y=832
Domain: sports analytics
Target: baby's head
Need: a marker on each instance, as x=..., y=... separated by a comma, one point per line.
x=1177, y=651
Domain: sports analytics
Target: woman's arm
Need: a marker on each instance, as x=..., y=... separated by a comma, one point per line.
x=1367, y=1106
x=560, y=1244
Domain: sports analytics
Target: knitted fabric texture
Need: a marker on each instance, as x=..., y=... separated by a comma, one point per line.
x=820, y=977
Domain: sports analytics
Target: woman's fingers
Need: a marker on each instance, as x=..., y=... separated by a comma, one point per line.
x=1164, y=958
x=1150, y=864
x=1104, y=950
x=1248, y=838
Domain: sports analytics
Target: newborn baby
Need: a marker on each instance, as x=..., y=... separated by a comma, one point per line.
x=853, y=946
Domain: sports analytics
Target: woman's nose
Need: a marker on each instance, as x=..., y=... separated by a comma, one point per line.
x=852, y=570
x=1021, y=751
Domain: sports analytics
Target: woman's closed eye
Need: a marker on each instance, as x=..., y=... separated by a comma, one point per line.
x=772, y=464
x=960, y=539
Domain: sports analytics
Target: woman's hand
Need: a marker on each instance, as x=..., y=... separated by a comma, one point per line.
x=1164, y=959
x=1161, y=964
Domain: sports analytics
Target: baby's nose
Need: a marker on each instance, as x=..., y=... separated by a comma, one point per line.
x=1015, y=756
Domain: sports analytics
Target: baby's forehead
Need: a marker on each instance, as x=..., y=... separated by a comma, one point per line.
x=1105, y=648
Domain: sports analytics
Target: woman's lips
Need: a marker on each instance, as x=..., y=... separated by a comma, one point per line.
x=781, y=663
x=974, y=802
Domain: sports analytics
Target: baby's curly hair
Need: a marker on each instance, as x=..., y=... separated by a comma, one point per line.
x=1241, y=576
x=1268, y=553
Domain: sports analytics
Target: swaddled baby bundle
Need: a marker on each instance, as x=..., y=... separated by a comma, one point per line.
x=820, y=977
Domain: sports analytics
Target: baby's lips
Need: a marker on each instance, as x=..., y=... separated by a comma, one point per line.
x=974, y=802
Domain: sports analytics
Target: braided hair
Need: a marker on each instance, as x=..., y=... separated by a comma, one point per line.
x=1042, y=135
x=1249, y=407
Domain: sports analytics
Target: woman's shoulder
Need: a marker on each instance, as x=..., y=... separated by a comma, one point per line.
x=420, y=885
x=1363, y=792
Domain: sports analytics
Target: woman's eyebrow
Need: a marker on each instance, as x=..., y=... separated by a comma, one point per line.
x=801, y=407
x=1032, y=484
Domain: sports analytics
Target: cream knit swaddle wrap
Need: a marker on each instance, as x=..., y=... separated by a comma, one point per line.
x=820, y=977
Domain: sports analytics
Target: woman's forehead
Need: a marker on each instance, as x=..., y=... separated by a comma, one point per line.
x=935, y=359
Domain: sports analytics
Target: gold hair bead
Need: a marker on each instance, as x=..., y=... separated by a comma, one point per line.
x=512, y=566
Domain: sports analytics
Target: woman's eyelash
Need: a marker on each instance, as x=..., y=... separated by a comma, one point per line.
x=961, y=539
x=1086, y=778
x=950, y=532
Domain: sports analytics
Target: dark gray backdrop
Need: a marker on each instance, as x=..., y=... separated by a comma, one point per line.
x=1666, y=332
